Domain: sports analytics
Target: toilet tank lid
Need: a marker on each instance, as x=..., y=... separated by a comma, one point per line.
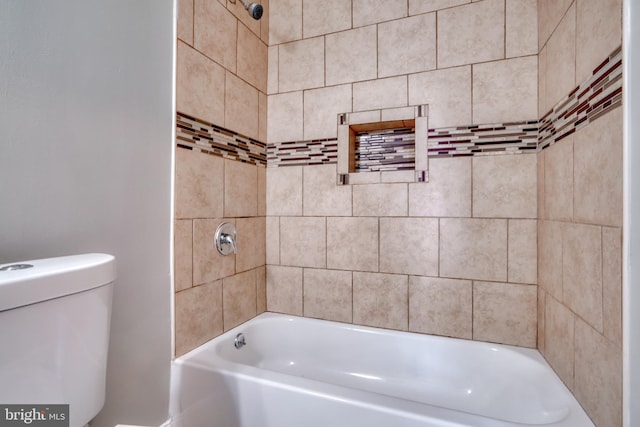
x=53, y=278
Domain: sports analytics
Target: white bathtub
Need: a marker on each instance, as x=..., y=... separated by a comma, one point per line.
x=299, y=372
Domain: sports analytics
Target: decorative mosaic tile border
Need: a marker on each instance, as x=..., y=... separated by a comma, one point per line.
x=477, y=140
x=385, y=150
x=601, y=93
x=394, y=149
x=195, y=133
x=296, y=153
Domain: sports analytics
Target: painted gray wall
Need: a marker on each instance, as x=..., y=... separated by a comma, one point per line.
x=86, y=116
x=631, y=309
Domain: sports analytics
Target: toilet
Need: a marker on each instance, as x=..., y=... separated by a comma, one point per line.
x=54, y=332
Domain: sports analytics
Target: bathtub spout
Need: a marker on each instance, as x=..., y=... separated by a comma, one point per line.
x=239, y=342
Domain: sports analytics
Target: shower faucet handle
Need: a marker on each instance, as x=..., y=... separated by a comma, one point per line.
x=225, y=239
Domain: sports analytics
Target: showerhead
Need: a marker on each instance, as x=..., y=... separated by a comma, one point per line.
x=254, y=9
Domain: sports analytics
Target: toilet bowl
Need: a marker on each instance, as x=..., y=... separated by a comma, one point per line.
x=54, y=329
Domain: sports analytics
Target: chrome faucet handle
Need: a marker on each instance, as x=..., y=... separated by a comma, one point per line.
x=225, y=239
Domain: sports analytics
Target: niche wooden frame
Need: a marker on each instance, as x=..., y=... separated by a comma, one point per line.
x=349, y=124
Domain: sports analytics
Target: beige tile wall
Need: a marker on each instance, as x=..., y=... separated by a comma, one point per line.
x=472, y=62
x=444, y=257
x=406, y=256
x=580, y=214
x=221, y=79
x=339, y=253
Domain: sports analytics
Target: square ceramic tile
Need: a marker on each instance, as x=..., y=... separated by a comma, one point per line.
x=261, y=289
x=409, y=246
x=473, y=248
x=423, y=6
x=328, y=294
x=505, y=313
x=324, y=17
x=284, y=191
x=250, y=240
x=301, y=64
x=521, y=28
x=543, y=106
x=208, y=264
x=240, y=106
x=272, y=73
x=322, y=196
x=198, y=316
x=582, y=272
x=273, y=240
x=448, y=94
x=505, y=186
x=285, y=119
x=440, y=306
x=199, y=184
x=366, y=12
x=344, y=64
x=352, y=243
x=264, y=22
x=550, y=12
x=598, y=383
x=183, y=254
x=380, y=200
x=448, y=192
x=550, y=257
x=381, y=93
x=559, y=344
x=285, y=21
x=471, y=33
x=560, y=61
x=321, y=109
x=199, y=85
x=599, y=31
x=239, y=298
x=252, y=59
x=407, y=45
x=612, y=283
x=262, y=191
x=238, y=10
x=185, y=21
x=262, y=117
x=284, y=289
x=598, y=171
x=240, y=189
x=505, y=91
x=303, y=241
x=542, y=296
x=380, y=300
x=541, y=184
x=523, y=251
x=558, y=181
x=215, y=30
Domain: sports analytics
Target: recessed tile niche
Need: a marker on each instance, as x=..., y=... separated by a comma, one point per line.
x=387, y=145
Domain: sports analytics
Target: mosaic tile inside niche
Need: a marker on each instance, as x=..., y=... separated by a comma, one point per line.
x=385, y=150
x=295, y=153
x=477, y=140
x=598, y=95
x=218, y=141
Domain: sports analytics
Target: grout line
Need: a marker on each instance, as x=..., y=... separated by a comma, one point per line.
x=504, y=29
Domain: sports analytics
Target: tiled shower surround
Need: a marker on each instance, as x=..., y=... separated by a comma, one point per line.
x=220, y=168
x=519, y=249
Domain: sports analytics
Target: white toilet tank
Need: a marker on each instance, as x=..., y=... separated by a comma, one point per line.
x=54, y=332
